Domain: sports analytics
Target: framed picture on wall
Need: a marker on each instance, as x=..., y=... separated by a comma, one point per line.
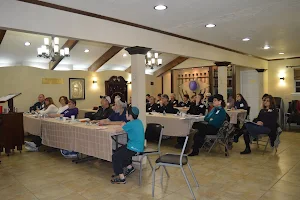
x=77, y=88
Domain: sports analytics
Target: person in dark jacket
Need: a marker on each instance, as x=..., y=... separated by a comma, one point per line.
x=215, y=118
x=173, y=100
x=240, y=103
x=197, y=108
x=165, y=105
x=72, y=110
x=265, y=123
x=186, y=101
x=38, y=105
x=104, y=110
x=151, y=106
x=158, y=98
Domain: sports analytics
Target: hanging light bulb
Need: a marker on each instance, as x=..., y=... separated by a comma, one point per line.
x=159, y=61
x=149, y=55
x=67, y=51
x=46, y=41
x=155, y=55
x=62, y=52
x=40, y=51
x=56, y=41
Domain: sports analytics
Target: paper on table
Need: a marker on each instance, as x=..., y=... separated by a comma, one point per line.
x=101, y=127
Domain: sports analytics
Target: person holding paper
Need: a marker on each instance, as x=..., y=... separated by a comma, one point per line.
x=38, y=105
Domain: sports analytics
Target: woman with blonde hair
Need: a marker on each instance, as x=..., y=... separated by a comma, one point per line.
x=50, y=107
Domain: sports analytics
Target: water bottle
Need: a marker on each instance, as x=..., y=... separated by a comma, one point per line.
x=164, y=113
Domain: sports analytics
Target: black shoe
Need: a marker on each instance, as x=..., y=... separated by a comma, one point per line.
x=246, y=151
x=235, y=139
x=194, y=153
x=178, y=146
x=129, y=171
x=117, y=180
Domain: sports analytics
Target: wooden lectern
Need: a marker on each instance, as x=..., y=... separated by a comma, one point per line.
x=11, y=127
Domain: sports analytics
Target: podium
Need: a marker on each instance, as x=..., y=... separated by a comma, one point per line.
x=11, y=127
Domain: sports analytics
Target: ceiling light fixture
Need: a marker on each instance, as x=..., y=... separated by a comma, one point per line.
x=160, y=7
x=246, y=39
x=267, y=47
x=51, y=50
x=152, y=60
x=27, y=44
x=281, y=53
x=124, y=55
x=86, y=50
x=210, y=25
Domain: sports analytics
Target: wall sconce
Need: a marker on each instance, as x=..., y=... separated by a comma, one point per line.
x=94, y=82
x=281, y=78
x=128, y=83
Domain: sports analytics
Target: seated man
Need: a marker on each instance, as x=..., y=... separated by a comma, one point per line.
x=119, y=114
x=104, y=110
x=38, y=105
x=186, y=101
x=166, y=106
x=173, y=100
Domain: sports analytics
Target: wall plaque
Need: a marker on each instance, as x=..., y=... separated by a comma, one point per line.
x=52, y=81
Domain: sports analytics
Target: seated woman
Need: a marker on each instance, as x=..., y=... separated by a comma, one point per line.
x=119, y=114
x=63, y=100
x=50, y=107
x=193, y=99
x=151, y=106
x=215, y=118
x=197, y=107
x=240, y=103
x=186, y=101
x=166, y=106
x=265, y=123
x=230, y=102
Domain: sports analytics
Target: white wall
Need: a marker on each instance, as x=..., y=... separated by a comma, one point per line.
x=28, y=81
x=23, y=16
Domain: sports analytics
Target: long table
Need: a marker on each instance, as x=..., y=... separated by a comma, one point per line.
x=76, y=136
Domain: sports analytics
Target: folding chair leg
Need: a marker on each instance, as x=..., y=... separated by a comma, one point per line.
x=167, y=172
x=212, y=145
x=187, y=182
x=161, y=175
x=153, y=180
x=149, y=162
x=141, y=173
x=266, y=146
x=194, y=177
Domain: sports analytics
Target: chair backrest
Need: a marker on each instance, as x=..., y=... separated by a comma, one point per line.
x=154, y=132
x=248, y=112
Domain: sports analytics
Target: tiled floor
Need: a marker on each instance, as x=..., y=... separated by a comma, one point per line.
x=40, y=175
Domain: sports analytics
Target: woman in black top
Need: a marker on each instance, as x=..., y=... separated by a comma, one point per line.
x=151, y=106
x=197, y=108
x=240, y=103
x=173, y=100
x=186, y=101
x=265, y=123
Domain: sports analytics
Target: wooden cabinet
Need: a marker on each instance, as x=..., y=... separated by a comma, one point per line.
x=231, y=83
x=11, y=132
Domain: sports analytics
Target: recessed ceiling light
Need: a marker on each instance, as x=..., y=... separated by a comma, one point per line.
x=27, y=44
x=124, y=55
x=210, y=25
x=281, y=53
x=160, y=7
x=246, y=39
x=86, y=50
x=267, y=47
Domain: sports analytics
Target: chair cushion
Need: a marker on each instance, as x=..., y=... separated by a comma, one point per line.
x=172, y=159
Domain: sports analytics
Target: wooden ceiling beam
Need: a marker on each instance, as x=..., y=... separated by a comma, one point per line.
x=170, y=65
x=69, y=44
x=2, y=34
x=104, y=58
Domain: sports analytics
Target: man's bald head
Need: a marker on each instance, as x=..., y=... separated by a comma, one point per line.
x=41, y=98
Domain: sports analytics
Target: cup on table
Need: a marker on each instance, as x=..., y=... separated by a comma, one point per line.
x=73, y=117
x=64, y=119
x=61, y=117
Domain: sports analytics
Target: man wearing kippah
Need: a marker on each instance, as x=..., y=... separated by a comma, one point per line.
x=122, y=158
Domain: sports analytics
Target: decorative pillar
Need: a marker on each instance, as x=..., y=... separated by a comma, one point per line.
x=138, y=79
x=222, y=78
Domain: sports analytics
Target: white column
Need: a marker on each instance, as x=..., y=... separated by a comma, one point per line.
x=138, y=79
x=222, y=81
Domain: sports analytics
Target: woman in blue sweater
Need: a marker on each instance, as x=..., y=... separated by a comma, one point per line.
x=215, y=118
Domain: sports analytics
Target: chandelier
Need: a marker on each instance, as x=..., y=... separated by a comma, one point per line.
x=52, y=50
x=152, y=60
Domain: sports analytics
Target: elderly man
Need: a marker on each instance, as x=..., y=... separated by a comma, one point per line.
x=104, y=110
x=165, y=105
x=38, y=105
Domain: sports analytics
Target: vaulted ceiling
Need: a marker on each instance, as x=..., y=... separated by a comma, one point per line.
x=266, y=22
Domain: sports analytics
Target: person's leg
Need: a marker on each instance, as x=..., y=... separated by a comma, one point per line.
x=247, y=143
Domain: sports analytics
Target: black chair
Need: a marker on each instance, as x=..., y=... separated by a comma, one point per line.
x=292, y=116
